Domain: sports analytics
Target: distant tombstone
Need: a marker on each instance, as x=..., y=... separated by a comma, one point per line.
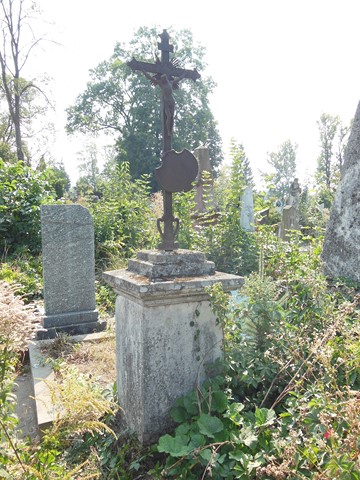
x=289, y=221
x=341, y=251
x=247, y=218
x=204, y=189
x=69, y=271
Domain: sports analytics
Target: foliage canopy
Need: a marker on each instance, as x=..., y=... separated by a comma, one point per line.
x=119, y=102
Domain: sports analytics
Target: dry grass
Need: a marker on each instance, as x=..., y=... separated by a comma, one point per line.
x=93, y=358
x=96, y=359
x=16, y=319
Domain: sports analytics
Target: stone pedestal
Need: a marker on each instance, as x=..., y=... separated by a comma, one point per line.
x=165, y=332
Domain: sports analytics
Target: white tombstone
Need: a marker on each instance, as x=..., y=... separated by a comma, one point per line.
x=247, y=219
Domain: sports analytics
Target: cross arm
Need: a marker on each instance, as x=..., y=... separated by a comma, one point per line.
x=158, y=68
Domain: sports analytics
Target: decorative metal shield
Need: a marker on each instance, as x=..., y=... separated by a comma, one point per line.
x=177, y=171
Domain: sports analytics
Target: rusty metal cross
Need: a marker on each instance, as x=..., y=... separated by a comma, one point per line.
x=167, y=76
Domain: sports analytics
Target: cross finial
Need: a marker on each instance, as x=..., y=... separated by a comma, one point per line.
x=165, y=47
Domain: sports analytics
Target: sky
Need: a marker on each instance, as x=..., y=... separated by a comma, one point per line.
x=278, y=64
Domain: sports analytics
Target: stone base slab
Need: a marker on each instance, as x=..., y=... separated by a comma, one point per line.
x=72, y=323
x=160, y=265
x=142, y=289
x=69, y=318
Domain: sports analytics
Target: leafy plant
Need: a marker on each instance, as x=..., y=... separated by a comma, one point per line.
x=215, y=437
x=22, y=191
x=217, y=232
x=122, y=216
x=24, y=272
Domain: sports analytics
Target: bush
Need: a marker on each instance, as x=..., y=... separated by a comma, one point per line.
x=123, y=218
x=22, y=191
x=24, y=272
x=217, y=232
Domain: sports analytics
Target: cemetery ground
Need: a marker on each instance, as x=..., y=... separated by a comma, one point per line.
x=284, y=403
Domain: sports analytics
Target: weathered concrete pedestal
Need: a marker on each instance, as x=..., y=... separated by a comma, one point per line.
x=165, y=333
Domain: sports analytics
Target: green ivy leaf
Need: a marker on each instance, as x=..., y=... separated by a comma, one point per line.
x=174, y=446
x=238, y=455
x=248, y=436
x=219, y=401
x=190, y=403
x=179, y=414
x=233, y=413
x=209, y=425
x=206, y=454
x=264, y=417
x=182, y=429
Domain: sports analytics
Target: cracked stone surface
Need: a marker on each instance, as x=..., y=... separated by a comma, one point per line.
x=341, y=252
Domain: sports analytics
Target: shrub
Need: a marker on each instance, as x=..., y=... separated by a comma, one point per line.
x=16, y=328
x=22, y=191
x=122, y=216
x=24, y=272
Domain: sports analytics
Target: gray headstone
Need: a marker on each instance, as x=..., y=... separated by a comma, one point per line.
x=247, y=219
x=341, y=252
x=289, y=221
x=69, y=270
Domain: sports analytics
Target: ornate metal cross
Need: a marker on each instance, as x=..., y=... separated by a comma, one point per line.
x=178, y=170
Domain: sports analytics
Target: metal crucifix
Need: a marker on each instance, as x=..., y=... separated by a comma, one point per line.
x=178, y=170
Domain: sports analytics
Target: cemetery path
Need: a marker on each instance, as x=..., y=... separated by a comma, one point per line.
x=25, y=406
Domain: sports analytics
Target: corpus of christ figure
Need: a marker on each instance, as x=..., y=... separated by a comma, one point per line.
x=167, y=86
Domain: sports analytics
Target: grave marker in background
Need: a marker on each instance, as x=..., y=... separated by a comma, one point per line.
x=247, y=218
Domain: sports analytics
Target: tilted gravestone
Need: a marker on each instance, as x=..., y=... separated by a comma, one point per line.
x=69, y=271
x=341, y=252
x=290, y=213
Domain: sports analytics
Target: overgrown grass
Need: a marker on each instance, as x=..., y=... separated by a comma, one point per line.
x=284, y=403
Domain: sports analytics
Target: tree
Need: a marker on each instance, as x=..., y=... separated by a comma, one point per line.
x=328, y=126
x=6, y=154
x=117, y=101
x=241, y=164
x=283, y=163
x=16, y=47
x=333, y=136
x=89, y=181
